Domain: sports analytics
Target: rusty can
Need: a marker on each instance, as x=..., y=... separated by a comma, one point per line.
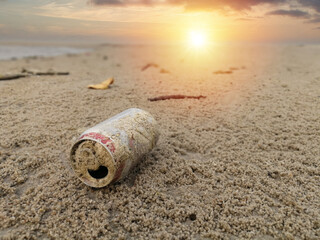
x=107, y=152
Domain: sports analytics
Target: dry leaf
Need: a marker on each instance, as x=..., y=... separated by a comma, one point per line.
x=104, y=85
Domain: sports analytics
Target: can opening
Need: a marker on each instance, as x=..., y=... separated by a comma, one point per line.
x=101, y=172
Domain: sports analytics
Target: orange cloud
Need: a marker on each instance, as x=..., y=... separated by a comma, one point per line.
x=209, y=4
x=303, y=8
x=192, y=4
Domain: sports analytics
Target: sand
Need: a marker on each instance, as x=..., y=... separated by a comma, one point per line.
x=243, y=163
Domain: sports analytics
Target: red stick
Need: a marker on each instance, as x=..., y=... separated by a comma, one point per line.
x=174, y=97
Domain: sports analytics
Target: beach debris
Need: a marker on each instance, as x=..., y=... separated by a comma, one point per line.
x=50, y=72
x=27, y=73
x=223, y=72
x=167, y=97
x=105, y=58
x=149, y=65
x=107, y=152
x=103, y=85
x=164, y=71
x=230, y=71
x=12, y=76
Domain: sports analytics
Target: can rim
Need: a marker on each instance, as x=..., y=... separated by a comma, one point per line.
x=87, y=178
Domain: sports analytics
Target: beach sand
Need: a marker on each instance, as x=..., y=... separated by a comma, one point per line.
x=241, y=163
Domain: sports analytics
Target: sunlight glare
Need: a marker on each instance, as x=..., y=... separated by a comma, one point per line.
x=197, y=39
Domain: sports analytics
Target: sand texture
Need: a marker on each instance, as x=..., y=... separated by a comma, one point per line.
x=242, y=163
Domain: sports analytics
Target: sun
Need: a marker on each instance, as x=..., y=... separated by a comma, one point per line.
x=197, y=38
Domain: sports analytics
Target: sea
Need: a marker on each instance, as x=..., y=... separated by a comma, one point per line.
x=14, y=52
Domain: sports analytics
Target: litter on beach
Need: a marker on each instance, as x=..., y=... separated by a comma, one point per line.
x=145, y=67
x=167, y=97
x=107, y=152
x=11, y=76
x=103, y=85
x=50, y=72
x=27, y=73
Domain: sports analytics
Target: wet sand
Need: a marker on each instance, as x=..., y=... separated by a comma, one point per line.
x=241, y=163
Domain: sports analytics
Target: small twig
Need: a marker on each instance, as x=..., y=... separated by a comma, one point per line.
x=149, y=65
x=27, y=73
x=11, y=76
x=174, y=97
x=48, y=73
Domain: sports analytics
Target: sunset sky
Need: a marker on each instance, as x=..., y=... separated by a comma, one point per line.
x=163, y=21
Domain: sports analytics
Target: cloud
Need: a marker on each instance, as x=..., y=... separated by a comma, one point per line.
x=107, y=2
x=111, y=14
x=314, y=20
x=209, y=5
x=314, y=4
x=206, y=5
x=290, y=13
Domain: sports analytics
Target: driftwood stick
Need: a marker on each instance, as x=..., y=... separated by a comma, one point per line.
x=51, y=73
x=47, y=73
x=11, y=76
x=148, y=66
x=174, y=97
x=27, y=73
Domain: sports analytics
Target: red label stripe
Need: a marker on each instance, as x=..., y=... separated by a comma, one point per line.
x=101, y=138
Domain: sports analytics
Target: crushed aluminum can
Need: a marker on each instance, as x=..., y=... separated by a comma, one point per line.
x=107, y=152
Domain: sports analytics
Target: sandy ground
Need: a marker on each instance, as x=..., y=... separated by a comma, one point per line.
x=242, y=163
